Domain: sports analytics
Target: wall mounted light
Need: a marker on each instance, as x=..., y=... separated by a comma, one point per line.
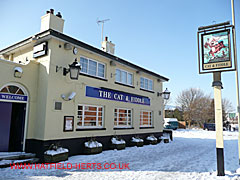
x=67, y=46
x=70, y=97
x=165, y=94
x=74, y=70
x=112, y=63
x=18, y=72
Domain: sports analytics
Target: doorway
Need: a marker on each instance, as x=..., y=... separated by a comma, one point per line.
x=13, y=120
x=12, y=123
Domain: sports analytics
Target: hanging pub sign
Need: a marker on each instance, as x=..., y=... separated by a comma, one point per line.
x=214, y=49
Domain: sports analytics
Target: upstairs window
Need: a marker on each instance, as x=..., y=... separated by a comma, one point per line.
x=124, y=77
x=92, y=67
x=146, y=84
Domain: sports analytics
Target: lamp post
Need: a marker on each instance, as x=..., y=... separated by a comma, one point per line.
x=236, y=66
x=74, y=70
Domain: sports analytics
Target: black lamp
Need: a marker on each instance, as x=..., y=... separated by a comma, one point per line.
x=165, y=94
x=74, y=70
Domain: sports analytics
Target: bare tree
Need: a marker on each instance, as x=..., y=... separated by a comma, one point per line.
x=189, y=100
x=198, y=108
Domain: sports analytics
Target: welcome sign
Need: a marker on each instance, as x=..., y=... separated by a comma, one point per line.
x=13, y=97
x=113, y=95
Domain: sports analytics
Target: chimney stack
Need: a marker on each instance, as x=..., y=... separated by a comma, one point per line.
x=51, y=21
x=108, y=46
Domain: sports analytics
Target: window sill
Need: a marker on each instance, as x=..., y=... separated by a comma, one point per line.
x=146, y=127
x=123, y=128
x=90, y=129
x=124, y=84
x=147, y=90
x=95, y=77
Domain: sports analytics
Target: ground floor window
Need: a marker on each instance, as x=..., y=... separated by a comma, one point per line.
x=122, y=117
x=89, y=116
x=145, y=118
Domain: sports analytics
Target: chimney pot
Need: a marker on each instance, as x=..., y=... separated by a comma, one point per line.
x=52, y=11
x=59, y=15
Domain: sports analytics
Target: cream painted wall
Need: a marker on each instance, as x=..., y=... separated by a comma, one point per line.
x=45, y=86
x=29, y=81
x=59, y=84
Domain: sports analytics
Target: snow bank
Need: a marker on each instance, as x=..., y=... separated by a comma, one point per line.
x=92, y=144
x=117, y=141
x=151, y=138
x=54, y=152
x=134, y=139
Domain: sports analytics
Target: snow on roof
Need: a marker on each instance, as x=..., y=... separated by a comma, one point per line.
x=171, y=107
x=170, y=120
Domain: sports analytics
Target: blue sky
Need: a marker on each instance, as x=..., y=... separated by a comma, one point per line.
x=160, y=35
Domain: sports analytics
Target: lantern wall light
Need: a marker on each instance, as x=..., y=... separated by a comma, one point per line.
x=74, y=70
x=165, y=94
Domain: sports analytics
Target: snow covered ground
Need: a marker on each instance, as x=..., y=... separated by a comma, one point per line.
x=192, y=155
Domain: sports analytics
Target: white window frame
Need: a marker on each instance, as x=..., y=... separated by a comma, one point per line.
x=83, y=116
x=150, y=121
x=122, y=126
x=148, y=84
x=96, y=69
x=121, y=70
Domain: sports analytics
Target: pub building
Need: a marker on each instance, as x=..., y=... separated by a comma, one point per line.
x=57, y=89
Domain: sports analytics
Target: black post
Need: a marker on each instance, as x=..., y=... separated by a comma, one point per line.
x=220, y=162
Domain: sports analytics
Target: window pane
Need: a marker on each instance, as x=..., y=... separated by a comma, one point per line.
x=13, y=89
x=124, y=77
x=145, y=83
x=150, y=85
x=4, y=90
x=20, y=92
x=142, y=82
x=118, y=75
x=84, y=64
x=101, y=70
x=130, y=82
x=92, y=68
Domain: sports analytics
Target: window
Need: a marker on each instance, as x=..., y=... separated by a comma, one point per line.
x=11, y=89
x=122, y=117
x=146, y=83
x=145, y=118
x=124, y=77
x=89, y=116
x=92, y=67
